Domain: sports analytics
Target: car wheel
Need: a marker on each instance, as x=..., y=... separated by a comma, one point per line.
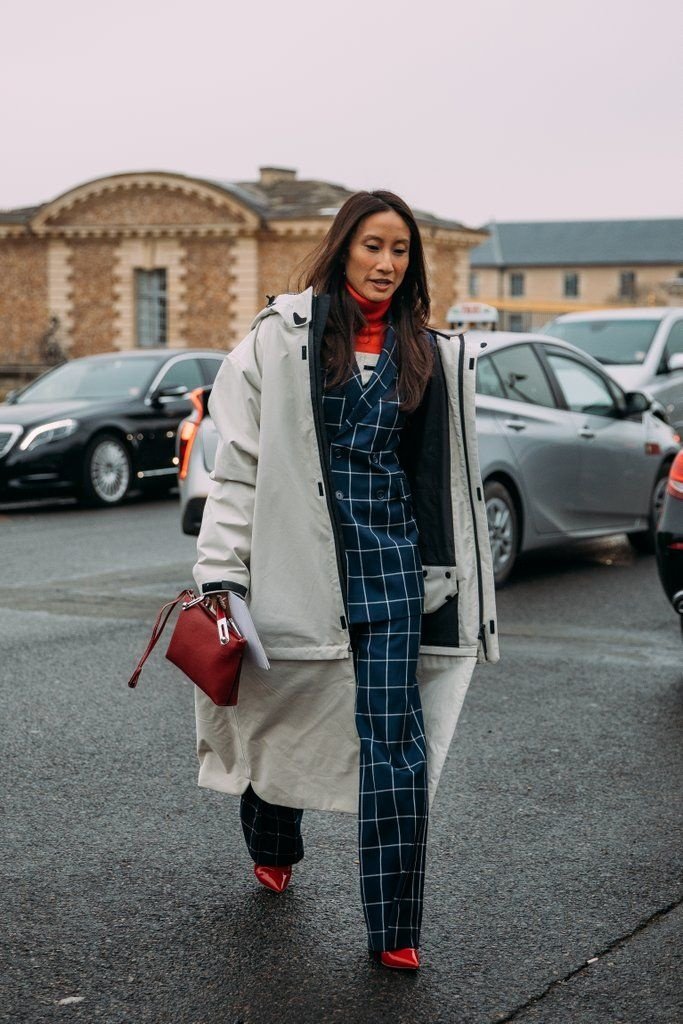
x=503, y=524
x=645, y=541
x=107, y=471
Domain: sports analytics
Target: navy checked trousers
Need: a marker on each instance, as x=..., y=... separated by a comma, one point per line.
x=393, y=802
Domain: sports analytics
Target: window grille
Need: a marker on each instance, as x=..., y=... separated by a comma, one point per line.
x=571, y=285
x=627, y=284
x=150, y=307
x=516, y=284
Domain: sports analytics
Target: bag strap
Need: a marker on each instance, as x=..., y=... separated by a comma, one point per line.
x=157, y=631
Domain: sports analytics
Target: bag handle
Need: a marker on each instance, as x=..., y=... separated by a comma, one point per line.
x=156, y=633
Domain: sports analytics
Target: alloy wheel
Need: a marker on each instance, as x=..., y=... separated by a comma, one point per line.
x=109, y=471
x=658, y=495
x=501, y=533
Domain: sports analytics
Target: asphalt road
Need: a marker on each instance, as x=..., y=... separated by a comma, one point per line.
x=554, y=872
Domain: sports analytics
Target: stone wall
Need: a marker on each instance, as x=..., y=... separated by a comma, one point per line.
x=76, y=264
x=142, y=205
x=93, y=298
x=24, y=316
x=209, y=281
x=443, y=271
x=279, y=258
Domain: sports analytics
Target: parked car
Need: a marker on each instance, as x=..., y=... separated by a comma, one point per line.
x=565, y=453
x=641, y=348
x=670, y=538
x=96, y=426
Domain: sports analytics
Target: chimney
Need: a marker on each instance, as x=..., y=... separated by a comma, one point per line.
x=271, y=175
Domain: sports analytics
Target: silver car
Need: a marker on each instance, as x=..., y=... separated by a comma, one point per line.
x=565, y=453
x=642, y=348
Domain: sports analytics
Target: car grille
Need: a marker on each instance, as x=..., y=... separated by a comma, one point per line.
x=8, y=435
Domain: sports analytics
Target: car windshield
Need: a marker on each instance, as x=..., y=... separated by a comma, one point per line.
x=96, y=379
x=612, y=342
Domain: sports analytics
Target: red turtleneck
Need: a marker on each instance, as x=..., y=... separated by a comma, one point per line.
x=371, y=337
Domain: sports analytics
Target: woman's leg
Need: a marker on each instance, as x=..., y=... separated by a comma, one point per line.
x=393, y=800
x=272, y=832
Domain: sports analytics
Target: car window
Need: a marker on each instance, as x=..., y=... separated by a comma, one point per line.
x=185, y=372
x=674, y=343
x=522, y=375
x=211, y=367
x=98, y=378
x=488, y=381
x=612, y=342
x=584, y=389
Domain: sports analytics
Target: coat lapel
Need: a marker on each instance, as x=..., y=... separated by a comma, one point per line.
x=360, y=400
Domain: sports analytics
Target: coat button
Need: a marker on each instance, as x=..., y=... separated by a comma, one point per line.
x=337, y=454
x=374, y=458
x=339, y=494
x=424, y=572
x=380, y=494
x=448, y=575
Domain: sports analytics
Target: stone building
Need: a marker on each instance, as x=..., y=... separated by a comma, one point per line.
x=152, y=258
x=534, y=271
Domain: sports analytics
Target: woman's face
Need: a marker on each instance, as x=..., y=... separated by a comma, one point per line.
x=378, y=255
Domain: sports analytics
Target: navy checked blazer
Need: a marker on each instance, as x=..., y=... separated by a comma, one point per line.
x=363, y=425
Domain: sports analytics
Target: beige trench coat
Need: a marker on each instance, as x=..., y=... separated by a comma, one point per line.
x=267, y=528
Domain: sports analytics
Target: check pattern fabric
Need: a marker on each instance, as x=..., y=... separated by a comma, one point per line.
x=393, y=803
x=393, y=798
x=272, y=832
x=385, y=591
x=363, y=425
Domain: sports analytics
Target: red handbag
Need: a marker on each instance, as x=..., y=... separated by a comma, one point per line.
x=207, y=647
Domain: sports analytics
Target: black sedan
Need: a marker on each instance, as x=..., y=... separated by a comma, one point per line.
x=97, y=426
x=670, y=537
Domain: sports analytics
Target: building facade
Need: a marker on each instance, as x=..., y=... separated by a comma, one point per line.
x=534, y=271
x=154, y=258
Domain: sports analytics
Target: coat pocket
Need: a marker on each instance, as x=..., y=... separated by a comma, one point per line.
x=441, y=585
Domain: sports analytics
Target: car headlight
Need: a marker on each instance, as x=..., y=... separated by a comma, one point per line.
x=48, y=432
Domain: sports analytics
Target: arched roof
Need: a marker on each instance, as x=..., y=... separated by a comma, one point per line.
x=246, y=214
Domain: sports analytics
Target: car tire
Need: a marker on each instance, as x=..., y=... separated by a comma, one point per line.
x=645, y=541
x=503, y=524
x=107, y=471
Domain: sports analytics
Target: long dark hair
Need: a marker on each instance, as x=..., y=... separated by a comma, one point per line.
x=323, y=269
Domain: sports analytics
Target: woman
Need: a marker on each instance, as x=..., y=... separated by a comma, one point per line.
x=346, y=506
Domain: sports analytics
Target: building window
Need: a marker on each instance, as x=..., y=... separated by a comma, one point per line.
x=517, y=284
x=474, y=284
x=571, y=286
x=627, y=284
x=150, y=307
x=516, y=322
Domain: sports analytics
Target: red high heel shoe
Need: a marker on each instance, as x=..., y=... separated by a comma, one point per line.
x=273, y=878
x=406, y=959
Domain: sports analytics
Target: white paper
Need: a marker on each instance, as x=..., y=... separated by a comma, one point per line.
x=239, y=609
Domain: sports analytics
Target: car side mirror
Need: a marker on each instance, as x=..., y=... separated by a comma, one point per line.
x=637, y=402
x=162, y=396
x=675, y=362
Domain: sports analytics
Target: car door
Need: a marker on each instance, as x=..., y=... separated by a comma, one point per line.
x=166, y=412
x=542, y=438
x=669, y=385
x=615, y=472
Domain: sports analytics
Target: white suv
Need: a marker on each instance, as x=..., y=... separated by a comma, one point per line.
x=642, y=348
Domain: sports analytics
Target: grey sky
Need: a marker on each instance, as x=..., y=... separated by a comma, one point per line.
x=513, y=110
